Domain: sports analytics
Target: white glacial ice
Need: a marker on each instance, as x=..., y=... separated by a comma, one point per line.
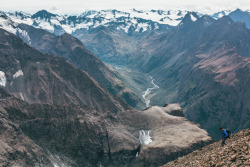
x=18, y=74
x=193, y=18
x=3, y=80
x=144, y=137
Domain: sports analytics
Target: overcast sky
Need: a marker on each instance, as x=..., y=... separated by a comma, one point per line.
x=78, y=6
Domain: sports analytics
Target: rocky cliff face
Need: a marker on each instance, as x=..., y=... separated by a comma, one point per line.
x=42, y=134
x=235, y=153
x=38, y=78
x=15, y=147
x=241, y=16
x=76, y=135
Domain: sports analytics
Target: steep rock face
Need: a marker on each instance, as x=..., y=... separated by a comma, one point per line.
x=174, y=109
x=221, y=75
x=235, y=152
x=203, y=64
x=74, y=51
x=108, y=43
x=15, y=147
x=77, y=135
x=80, y=136
x=223, y=99
x=35, y=77
x=159, y=48
x=242, y=16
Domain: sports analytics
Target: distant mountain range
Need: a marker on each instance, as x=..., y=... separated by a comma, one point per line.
x=130, y=21
x=102, y=31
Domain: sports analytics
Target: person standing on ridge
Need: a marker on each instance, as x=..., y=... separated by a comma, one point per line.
x=224, y=136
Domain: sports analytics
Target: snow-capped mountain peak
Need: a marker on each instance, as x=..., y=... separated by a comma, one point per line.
x=189, y=17
x=128, y=21
x=137, y=20
x=7, y=24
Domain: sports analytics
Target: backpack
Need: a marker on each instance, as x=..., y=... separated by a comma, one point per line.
x=228, y=132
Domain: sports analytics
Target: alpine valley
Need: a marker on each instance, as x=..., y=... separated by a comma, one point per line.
x=120, y=88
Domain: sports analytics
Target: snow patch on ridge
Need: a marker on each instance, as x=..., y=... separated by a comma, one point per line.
x=3, y=80
x=193, y=18
x=18, y=74
x=25, y=36
x=56, y=160
x=6, y=24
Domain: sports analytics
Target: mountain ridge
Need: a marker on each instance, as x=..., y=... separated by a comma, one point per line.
x=204, y=62
x=41, y=80
x=73, y=50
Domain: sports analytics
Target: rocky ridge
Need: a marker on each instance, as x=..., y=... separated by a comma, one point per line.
x=71, y=135
x=41, y=78
x=236, y=152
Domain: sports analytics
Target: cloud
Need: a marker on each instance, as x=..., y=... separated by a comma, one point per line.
x=55, y=9
x=78, y=6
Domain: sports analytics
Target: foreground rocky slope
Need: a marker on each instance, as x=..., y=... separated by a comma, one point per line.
x=70, y=135
x=235, y=153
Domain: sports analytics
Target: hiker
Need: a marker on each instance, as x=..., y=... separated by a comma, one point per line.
x=224, y=136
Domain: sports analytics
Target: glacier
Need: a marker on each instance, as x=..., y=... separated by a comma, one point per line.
x=3, y=80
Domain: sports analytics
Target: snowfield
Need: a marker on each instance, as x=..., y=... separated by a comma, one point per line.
x=3, y=80
x=18, y=74
x=140, y=20
x=128, y=20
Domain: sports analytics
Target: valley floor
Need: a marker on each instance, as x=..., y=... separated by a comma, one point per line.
x=235, y=153
x=140, y=83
